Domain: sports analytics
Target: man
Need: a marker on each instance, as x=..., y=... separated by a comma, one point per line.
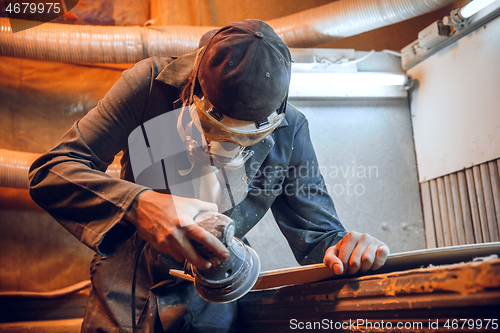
x=208, y=131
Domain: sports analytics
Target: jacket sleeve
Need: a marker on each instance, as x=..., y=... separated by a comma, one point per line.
x=69, y=181
x=304, y=210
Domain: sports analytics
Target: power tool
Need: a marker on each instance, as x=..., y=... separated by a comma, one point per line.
x=227, y=279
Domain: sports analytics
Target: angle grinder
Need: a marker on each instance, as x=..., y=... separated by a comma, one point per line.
x=227, y=279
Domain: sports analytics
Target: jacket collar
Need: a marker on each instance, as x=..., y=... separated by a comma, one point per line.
x=261, y=150
x=176, y=73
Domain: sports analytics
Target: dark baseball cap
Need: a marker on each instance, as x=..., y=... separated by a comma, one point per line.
x=244, y=71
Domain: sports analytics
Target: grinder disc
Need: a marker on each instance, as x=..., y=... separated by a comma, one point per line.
x=235, y=291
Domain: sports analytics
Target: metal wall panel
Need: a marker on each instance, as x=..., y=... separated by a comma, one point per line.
x=467, y=210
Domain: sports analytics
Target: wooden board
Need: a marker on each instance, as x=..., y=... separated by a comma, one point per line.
x=395, y=262
x=406, y=301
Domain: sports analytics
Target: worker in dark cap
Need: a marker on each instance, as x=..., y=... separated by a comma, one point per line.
x=210, y=131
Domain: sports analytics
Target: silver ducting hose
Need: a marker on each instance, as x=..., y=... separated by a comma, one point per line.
x=99, y=44
x=95, y=44
x=14, y=168
x=347, y=18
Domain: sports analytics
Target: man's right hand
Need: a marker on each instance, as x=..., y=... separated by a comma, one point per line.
x=167, y=223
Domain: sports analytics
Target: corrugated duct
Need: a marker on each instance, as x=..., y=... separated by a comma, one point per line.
x=14, y=166
x=102, y=44
x=347, y=18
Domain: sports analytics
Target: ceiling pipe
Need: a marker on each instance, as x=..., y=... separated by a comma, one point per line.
x=104, y=44
x=347, y=18
x=14, y=168
x=96, y=44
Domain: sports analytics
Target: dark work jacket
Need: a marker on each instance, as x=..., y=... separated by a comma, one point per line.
x=69, y=182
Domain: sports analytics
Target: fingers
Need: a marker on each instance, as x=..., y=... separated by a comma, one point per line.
x=166, y=222
x=205, y=238
x=331, y=260
x=178, y=245
x=363, y=254
x=358, y=253
x=191, y=255
x=178, y=256
x=346, y=247
x=367, y=257
x=189, y=231
x=381, y=256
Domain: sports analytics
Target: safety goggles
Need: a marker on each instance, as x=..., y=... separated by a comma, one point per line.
x=222, y=128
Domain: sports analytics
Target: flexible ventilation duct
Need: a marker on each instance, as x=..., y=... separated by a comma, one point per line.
x=14, y=167
x=96, y=44
x=347, y=18
x=100, y=44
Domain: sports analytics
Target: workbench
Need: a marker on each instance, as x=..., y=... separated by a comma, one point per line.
x=444, y=298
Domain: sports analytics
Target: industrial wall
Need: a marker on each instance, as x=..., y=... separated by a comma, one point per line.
x=456, y=120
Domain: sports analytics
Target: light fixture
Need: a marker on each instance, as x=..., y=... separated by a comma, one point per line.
x=459, y=17
x=441, y=34
x=473, y=7
x=342, y=85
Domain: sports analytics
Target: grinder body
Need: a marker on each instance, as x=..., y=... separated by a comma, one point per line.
x=229, y=279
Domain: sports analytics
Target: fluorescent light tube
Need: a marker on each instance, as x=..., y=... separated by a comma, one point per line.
x=473, y=7
x=352, y=79
x=364, y=84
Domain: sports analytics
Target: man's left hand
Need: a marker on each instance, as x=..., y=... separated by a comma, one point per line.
x=356, y=252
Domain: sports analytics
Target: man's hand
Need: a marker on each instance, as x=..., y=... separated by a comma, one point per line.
x=166, y=222
x=356, y=252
